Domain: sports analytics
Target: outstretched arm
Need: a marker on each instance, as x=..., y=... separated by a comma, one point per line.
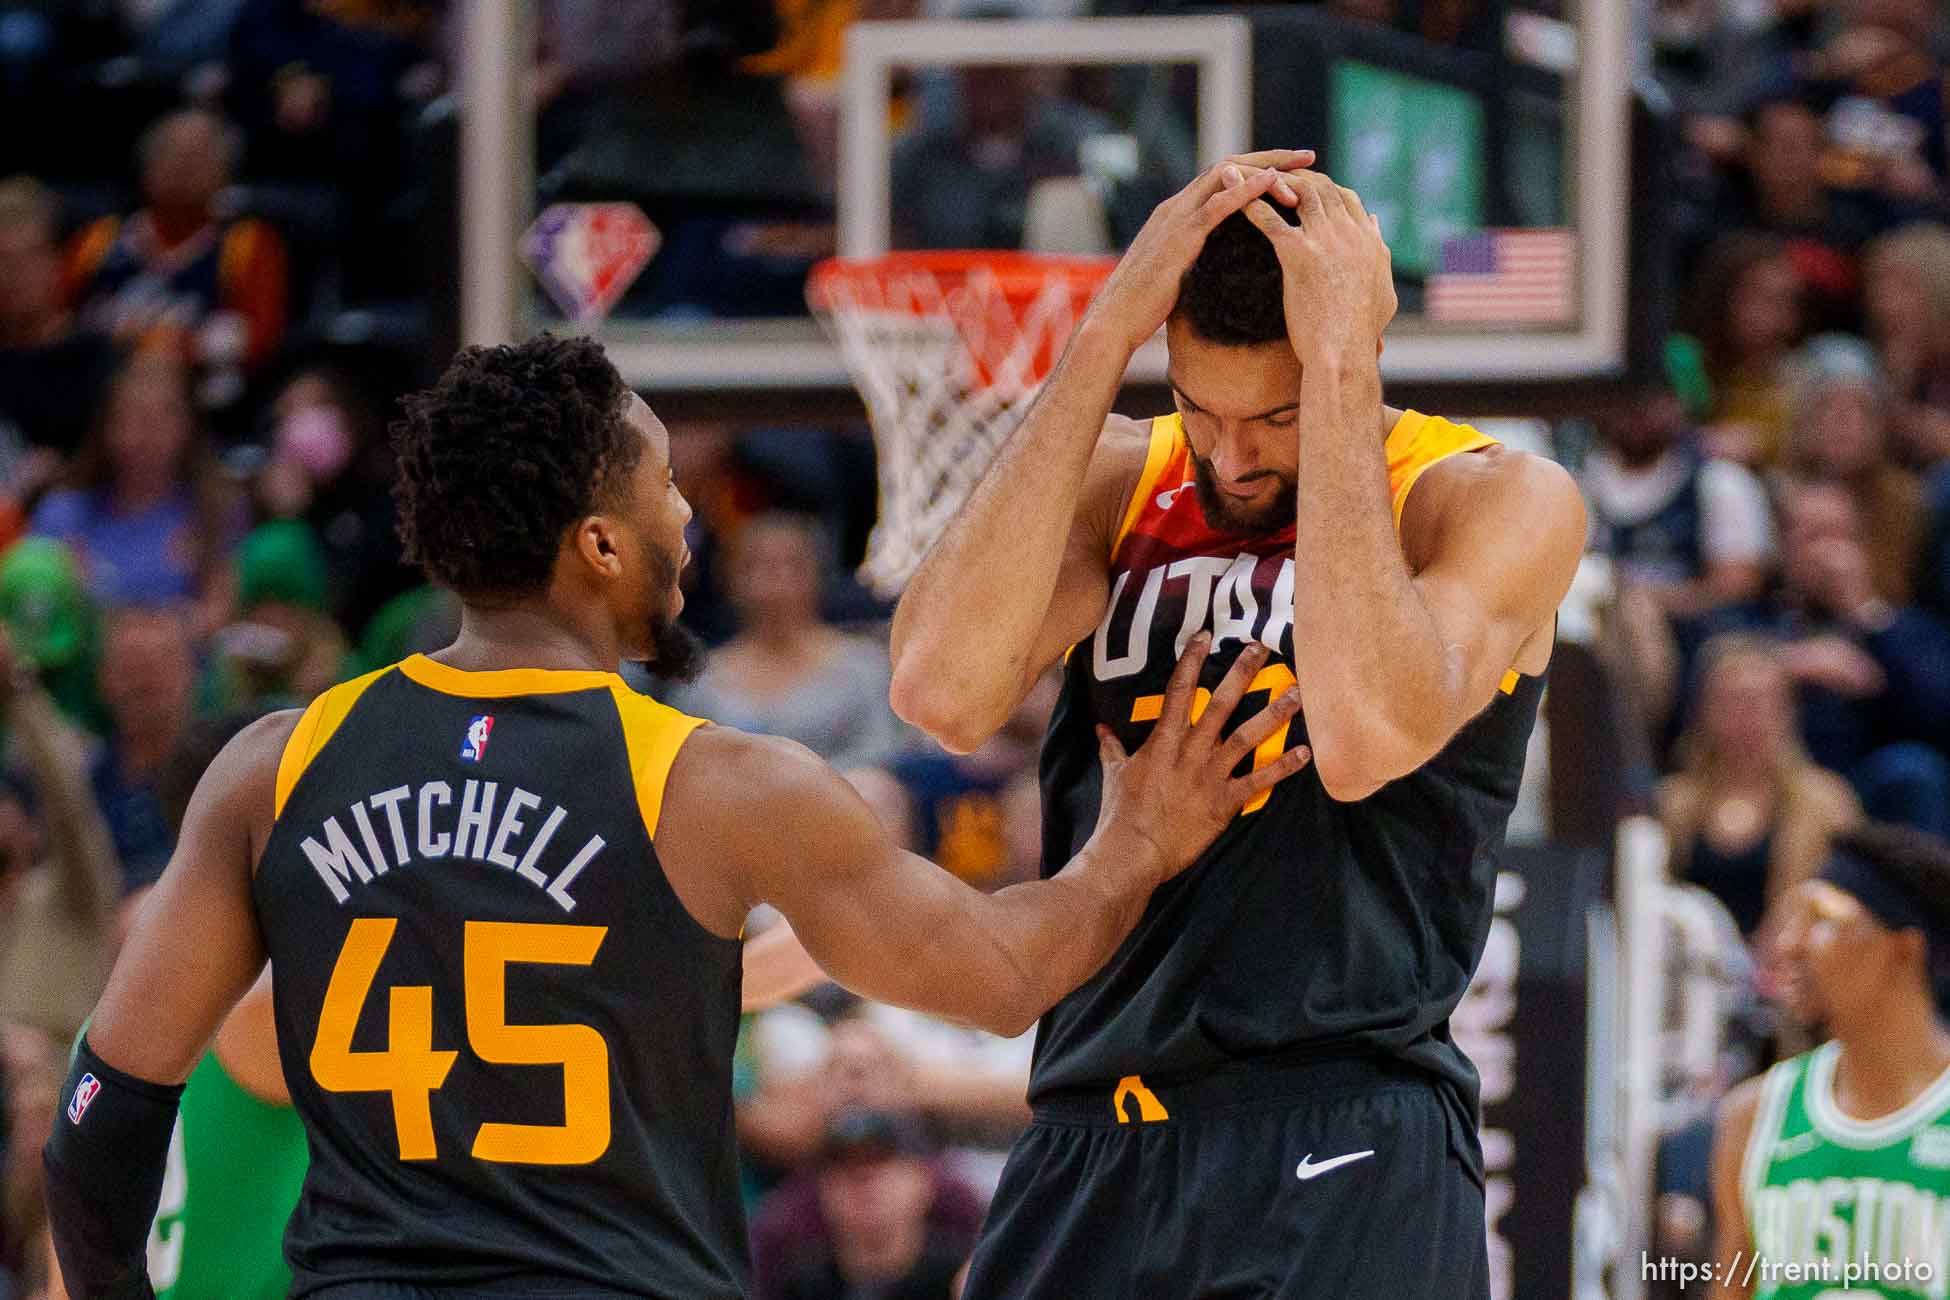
x=897, y=928
x=1020, y=573
x=195, y=951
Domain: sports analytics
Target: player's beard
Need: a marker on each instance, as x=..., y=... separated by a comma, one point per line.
x=1228, y=514
x=676, y=655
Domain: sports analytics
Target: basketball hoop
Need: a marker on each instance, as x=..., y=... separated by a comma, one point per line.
x=947, y=349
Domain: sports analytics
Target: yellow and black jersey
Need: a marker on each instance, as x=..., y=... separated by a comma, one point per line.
x=509, y=1041
x=1309, y=925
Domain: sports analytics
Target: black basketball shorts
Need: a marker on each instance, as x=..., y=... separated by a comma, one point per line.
x=1343, y=1179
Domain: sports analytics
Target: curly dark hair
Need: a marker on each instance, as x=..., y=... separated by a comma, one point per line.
x=510, y=448
x=1231, y=294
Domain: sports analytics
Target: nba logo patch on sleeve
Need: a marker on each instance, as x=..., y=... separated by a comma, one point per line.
x=85, y=1092
x=474, y=748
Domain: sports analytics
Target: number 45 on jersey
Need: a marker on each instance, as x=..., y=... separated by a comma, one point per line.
x=412, y=1070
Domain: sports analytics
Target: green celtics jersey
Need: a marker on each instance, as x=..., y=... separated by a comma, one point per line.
x=1837, y=1205
x=235, y=1167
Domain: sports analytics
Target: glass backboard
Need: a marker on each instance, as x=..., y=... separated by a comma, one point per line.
x=1496, y=158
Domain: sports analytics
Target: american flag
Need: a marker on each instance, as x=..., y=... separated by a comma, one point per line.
x=1511, y=277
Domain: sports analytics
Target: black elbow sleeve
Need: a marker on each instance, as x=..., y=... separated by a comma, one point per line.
x=105, y=1163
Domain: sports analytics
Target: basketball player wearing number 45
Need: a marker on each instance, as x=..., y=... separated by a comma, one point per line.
x=503, y=894
x=1258, y=1094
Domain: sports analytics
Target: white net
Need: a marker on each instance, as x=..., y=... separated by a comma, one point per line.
x=948, y=356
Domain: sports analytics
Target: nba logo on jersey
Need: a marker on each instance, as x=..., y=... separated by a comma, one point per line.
x=475, y=747
x=84, y=1096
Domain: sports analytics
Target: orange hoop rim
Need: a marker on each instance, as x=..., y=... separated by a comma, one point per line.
x=1020, y=277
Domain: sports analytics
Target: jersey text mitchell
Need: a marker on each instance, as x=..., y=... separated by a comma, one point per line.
x=382, y=821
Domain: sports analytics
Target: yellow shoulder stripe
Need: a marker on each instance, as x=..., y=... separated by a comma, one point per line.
x=653, y=733
x=1419, y=441
x=321, y=719
x=1166, y=430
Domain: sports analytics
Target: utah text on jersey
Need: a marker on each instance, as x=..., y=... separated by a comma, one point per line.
x=1223, y=593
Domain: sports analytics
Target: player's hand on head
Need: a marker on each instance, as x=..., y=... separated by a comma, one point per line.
x=1167, y=802
x=1338, y=273
x=1144, y=288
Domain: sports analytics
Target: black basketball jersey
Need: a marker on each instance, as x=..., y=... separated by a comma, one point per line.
x=1309, y=924
x=509, y=1042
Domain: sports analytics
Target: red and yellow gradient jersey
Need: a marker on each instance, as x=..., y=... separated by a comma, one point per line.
x=1171, y=568
x=1309, y=924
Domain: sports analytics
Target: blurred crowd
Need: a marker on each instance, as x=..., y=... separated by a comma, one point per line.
x=212, y=289
x=215, y=281
x=1775, y=509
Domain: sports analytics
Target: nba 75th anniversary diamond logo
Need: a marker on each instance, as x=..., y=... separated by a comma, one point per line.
x=587, y=254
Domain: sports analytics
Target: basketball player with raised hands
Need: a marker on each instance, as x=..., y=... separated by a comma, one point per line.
x=1258, y=1094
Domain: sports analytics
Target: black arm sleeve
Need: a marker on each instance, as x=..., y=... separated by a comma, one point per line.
x=105, y=1163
